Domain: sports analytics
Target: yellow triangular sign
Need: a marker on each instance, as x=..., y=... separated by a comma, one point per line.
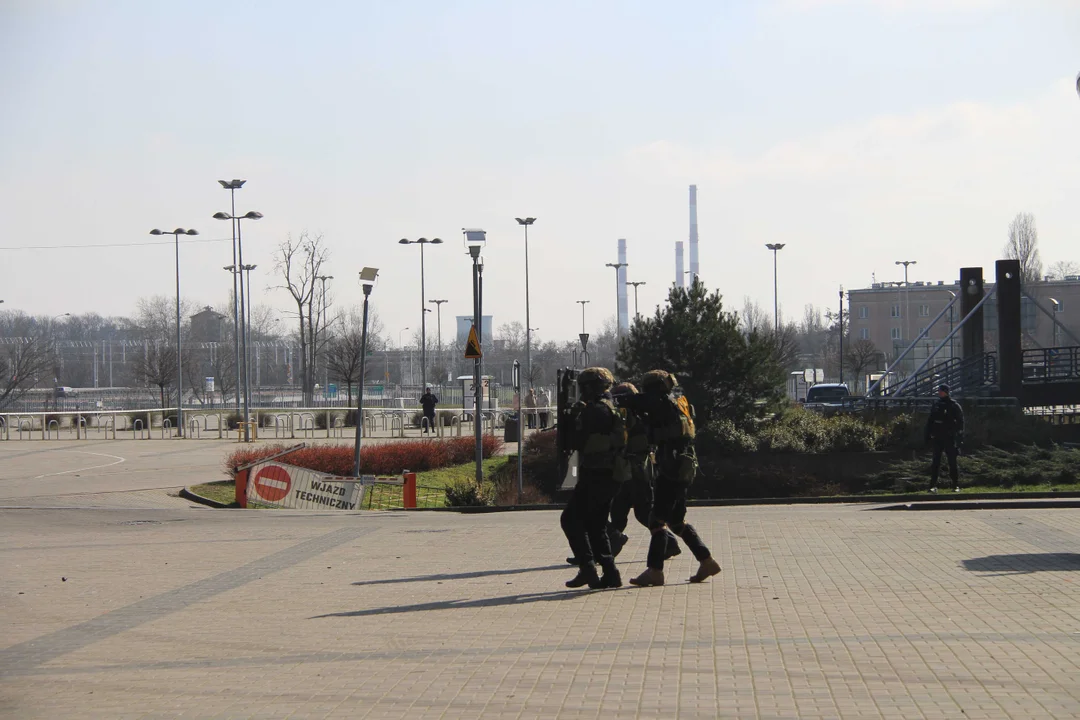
x=472, y=345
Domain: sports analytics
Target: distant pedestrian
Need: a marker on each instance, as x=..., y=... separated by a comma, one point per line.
x=945, y=429
x=543, y=400
x=530, y=408
x=428, y=401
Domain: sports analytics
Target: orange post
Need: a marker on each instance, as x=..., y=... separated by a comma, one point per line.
x=408, y=490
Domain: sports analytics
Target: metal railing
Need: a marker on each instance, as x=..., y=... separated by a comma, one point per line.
x=1045, y=365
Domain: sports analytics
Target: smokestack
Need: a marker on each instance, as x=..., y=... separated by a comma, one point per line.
x=624, y=315
x=680, y=275
x=693, y=232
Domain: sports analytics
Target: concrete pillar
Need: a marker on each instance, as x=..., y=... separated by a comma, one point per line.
x=1010, y=353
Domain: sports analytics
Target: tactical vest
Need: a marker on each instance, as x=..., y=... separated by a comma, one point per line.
x=606, y=451
x=637, y=434
x=674, y=435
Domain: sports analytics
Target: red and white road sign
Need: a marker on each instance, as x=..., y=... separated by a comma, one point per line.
x=272, y=483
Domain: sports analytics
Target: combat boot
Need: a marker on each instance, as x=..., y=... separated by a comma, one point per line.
x=612, y=578
x=618, y=541
x=586, y=576
x=648, y=578
x=706, y=570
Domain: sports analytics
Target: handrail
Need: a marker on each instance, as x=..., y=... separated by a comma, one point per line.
x=925, y=331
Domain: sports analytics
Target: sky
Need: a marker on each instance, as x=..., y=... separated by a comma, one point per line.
x=857, y=132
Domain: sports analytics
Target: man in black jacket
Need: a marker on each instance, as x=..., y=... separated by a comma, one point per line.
x=428, y=401
x=945, y=429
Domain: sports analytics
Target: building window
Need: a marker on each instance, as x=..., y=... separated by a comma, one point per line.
x=895, y=311
x=896, y=334
x=864, y=333
x=864, y=312
x=924, y=311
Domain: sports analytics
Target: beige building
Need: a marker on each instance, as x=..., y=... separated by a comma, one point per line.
x=891, y=315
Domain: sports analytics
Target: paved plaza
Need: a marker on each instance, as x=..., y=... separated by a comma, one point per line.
x=115, y=610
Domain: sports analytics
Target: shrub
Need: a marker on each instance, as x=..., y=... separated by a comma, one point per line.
x=505, y=485
x=382, y=459
x=722, y=436
x=466, y=493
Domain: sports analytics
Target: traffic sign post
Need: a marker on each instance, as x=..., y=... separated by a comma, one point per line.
x=516, y=375
x=472, y=346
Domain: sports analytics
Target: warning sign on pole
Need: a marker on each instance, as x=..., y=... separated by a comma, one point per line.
x=472, y=345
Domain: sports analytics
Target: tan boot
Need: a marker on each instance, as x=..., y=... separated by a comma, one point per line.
x=706, y=570
x=648, y=578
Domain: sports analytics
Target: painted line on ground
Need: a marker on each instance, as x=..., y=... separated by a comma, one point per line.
x=91, y=467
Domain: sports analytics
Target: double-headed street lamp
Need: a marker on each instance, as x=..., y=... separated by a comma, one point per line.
x=241, y=328
x=907, y=297
x=367, y=280
x=637, y=315
x=179, y=352
x=525, y=223
x=475, y=241
x=232, y=186
x=775, y=247
x=423, y=311
x=618, y=324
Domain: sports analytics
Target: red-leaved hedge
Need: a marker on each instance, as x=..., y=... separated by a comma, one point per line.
x=381, y=459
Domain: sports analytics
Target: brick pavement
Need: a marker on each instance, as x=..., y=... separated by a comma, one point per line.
x=821, y=611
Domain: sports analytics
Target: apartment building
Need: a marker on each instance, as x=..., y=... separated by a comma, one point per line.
x=891, y=315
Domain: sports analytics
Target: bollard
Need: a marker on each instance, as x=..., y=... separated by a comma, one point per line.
x=408, y=490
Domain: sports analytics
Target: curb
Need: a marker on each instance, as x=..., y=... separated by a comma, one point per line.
x=1050, y=504
x=193, y=497
x=921, y=498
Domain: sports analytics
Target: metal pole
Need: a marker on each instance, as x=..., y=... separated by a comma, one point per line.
x=179, y=350
x=528, y=335
x=235, y=297
x=841, y=334
x=521, y=429
x=775, y=295
x=476, y=375
x=914, y=342
x=247, y=343
x=243, y=333
x=423, y=323
x=360, y=393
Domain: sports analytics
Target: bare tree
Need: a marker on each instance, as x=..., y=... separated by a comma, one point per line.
x=21, y=364
x=1023, y=245
x=861, y=355
x=754, y=317
x=1063, y=269
x=156, y=365
x=299, y=262
x=344, y=353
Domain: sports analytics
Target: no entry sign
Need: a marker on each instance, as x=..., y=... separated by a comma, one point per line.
x=272, y=483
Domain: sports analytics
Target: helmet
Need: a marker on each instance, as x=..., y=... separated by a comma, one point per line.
x=624, y=388
x=596, y=376
x=658, y=381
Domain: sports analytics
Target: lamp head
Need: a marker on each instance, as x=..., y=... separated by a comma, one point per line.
x=367, y=278
x=232, y=184
x=525, y=221
x=179, y=231
x=155, y=231
x=475, y=240
x=253, y=215
x=403, y=241
x=222, y=216
x=192, y=232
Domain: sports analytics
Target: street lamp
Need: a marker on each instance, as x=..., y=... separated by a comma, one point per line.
x=637, y=315
x=475, y=241
x=525, y=223
x=232, y=186
x=438, y=313
x=400, y=346
x=241, y=328
x=907, y=297
x=367, y=280
x=326, y=328
x=618, y=325
x=583, y=303
x=842, y=336
x=423, y=320
x=179, y=352
x=775, y=247
x=247, y=330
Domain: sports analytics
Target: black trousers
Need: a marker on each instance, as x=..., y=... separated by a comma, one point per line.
x=636, y=494
x=584, y=520
x=430, y=422
x=947, y=446
x=669, y=508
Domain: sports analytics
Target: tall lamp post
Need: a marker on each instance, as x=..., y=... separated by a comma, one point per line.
x=637, y=315
x=1057, y=309
x=841, y=331
x=326, y=331
x=232, y=186
x=242, y=327
x=907, y=298
x=247, y=329
x=775, y=247
x=423, y=311
x=179, y=350
x=618, y=325
x=583, y=303
x=525, y=223
x=438, y=314
x=367, y=280
x=475, y=240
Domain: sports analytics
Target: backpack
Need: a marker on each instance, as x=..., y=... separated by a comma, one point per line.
x=677, y=457
x=608, y=450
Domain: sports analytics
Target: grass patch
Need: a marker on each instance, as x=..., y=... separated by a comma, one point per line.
x=223, y=491
x=458, y=473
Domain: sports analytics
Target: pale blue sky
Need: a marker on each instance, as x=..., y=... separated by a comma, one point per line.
x=859, y=132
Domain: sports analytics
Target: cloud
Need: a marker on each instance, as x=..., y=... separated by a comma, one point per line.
x=891, y=5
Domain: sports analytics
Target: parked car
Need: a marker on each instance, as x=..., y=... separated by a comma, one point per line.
x=826, y=397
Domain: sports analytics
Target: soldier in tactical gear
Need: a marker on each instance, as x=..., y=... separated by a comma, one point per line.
x=945, y=428
x=671, y=431
x=598, y=437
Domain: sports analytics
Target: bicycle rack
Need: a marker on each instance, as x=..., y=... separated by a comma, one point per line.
x=194, y=429
x=166, y=424
x=284, y=424
x=4, y=432
x=107, y=424
x=137, y=427
x=29, y=427
x=50, y=428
